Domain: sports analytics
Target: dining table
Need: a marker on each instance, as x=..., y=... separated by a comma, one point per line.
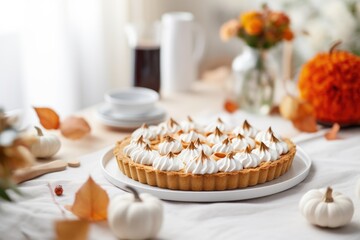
x=335, y=163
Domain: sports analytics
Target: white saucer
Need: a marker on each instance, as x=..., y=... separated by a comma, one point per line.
x=116, y=119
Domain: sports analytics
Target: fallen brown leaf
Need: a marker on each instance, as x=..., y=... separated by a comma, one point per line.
x=72, y=229
x=49, y=119
x=230, y=106
x=301, y=113
x=75, y=128
x=91, y=202
x=332, y=133
x=275, y=110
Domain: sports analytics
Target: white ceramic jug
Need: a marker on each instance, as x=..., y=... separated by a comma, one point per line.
x=182, y=46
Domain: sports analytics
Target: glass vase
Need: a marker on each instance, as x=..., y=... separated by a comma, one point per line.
x=254, y=80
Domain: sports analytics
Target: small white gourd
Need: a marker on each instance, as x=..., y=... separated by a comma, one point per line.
x=326, y=208
x=45, y=146
x=357, y=190
x=134, y=216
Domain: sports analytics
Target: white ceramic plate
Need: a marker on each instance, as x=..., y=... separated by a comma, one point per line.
x=298, y=172
x=117, y=120
x=105, y=111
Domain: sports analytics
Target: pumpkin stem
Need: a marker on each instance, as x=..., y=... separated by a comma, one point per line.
x=334, y=46
x=133, y=191
x=328, y=195
x=39, y=131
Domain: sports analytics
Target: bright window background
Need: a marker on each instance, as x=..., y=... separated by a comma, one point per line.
x=66, y=53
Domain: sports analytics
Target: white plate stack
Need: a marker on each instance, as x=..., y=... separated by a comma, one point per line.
x=130, y=108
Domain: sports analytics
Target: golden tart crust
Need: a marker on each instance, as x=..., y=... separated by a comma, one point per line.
x=180, y=180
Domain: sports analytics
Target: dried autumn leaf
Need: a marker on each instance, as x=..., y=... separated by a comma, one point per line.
x=72, y=229
x=332, y=133
x=91, y=202
x=230, y=106
x=301, y=113
x=305, y=120
x=275, y=110
x=17, y=157
x=49, y=119
x=75, y=127
x=306, y=124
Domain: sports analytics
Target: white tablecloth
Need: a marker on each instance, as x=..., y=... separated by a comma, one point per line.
x=335, y=163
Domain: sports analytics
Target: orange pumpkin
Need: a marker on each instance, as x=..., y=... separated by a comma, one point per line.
x=331, y=83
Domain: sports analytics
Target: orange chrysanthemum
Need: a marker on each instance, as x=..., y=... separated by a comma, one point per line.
x=246, y=17
x=288, y=34
x=229, y=29
x=254, y=26
x=331, y=83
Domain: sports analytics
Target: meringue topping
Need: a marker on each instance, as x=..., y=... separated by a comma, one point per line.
x=145, y=132
x=140, y=142
x=216, y=137
x=263, y=136
x=168, y=162
x=190, y=124
x=223, y=147
x=241, y=142
x=189, y=154
x=280, y=146
x=229, y=163
x=171, y=126
x=246, y=129
x=248, y=159
x=203, y=164
x=218, y=124
x=265, y=153
x=169, y=145
x=203, y=147
x=145, y=156
x=190, y=136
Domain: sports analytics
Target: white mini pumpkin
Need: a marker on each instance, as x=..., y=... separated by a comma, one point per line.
x=326, y=208
x=358, y=189
x=45, y=146
x=134, y=216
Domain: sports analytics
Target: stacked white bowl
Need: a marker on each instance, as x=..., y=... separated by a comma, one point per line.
x=130, y=108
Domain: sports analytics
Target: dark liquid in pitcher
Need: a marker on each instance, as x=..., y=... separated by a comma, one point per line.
x=146, y=72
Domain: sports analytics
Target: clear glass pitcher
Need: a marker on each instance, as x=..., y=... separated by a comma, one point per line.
x=144, y=41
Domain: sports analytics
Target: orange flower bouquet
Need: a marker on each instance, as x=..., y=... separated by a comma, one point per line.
x=260, y=30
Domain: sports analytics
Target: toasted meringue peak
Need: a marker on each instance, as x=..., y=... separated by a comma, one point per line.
x=140, y=140
x=248, y=149
x=246, y=125
x=274, y=139
x=226, y=141
x=172, y=122
x=263, y=147
x=170, y=155
x=191, y=146
x=169, y=139
x=202, y=157
x=240, y=136
x=231, y=155
x=217, y=132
